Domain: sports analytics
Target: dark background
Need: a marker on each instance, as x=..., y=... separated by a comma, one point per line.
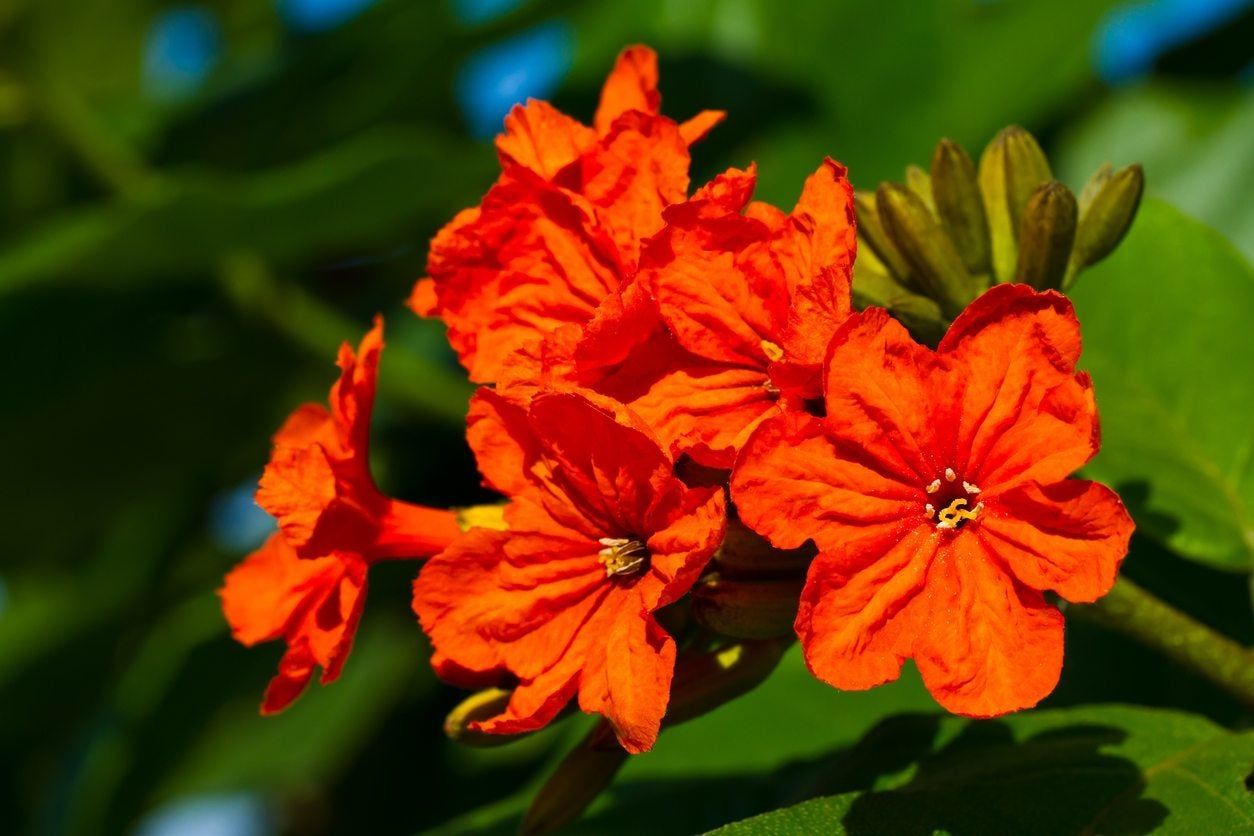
x=198, y=202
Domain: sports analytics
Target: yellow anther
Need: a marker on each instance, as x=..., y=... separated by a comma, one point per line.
x=621, y=556
x=934, y=487
x=950, y=475
x=773, y=352
x=929, y=510
x=955, y=513
x=970, y=488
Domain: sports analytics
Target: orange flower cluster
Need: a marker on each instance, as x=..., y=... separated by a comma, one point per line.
x=628, y=330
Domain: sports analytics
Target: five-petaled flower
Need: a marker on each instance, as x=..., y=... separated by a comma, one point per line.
x=307, y=584
x=936, y=490
x=601, y=534
x=561, y=229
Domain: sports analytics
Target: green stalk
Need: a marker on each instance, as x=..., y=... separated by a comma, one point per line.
x=1131, y=610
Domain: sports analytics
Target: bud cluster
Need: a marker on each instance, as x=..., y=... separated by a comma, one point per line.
x=930, y=246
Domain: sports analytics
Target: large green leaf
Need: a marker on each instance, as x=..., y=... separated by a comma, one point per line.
x=1193, y=141
x=1105, y=769
x=1167, y=338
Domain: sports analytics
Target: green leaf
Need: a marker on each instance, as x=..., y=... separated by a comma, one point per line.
x=1104, y=769
x=1167, y=337
x=1193, y=142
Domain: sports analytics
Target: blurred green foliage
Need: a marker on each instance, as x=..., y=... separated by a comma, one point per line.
x=175, y=276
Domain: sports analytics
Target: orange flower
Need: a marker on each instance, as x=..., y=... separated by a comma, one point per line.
x=307, y=584
x=561, y=228
x=935, y=489
x=753, y=298
x=601, y=535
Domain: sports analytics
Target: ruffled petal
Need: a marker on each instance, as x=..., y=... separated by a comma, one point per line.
x=269, y=591
x=1013, y=417
x=631, y=684
x=630, y=86
x=533, y=259
x=1069, y=537
x=1007, y=311
x=638, y=169
x=541, y=138
x=861, y=607
x=794, y=483
x=706, y=410
x=879, y=392
x=987, y=645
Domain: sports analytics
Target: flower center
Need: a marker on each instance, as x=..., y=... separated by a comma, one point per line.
x=955, y=499
x=623, y=556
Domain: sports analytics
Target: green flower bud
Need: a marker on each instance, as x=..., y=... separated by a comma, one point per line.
x=959, y=205
x=920, y=182
x=1011, y=168
x=933, y=261
x=1046, y=235
x=877, y=240
x=1106, y=216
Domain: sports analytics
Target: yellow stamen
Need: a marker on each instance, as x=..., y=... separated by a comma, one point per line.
x=970, y=488
x=621, y=556
x=929, y=510
x=773, y=352
x=934, y=487
x=950, y=475
x=955, y=513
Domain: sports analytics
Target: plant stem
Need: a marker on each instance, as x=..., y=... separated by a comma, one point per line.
x=1136, y=613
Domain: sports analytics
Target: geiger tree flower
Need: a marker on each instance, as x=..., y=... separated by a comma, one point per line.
x=751, y=295
x=307, y=584
x=936, y=490
x=562, y=227
x=601, y=534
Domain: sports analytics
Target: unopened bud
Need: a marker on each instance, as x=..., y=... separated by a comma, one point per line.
x=872, y=232
x=959, y=205
x=482, y=705
x=705, y=681
x=920, y=182
x=482, y=516
x=578, y=779
x=1046, y=236
x=747, y=554
x=1011, y=168
x=761, y=609
x=925, y=247
x=1094, y=185
x=1107, y=215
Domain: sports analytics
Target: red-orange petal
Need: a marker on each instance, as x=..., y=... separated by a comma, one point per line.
x=1070, y=537
x=541, y=138
x=793, y=483
x=879, y=388
x=987, y=645
x=861, y=606
x=630, y=86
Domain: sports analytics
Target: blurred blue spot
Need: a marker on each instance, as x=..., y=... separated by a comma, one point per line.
x=1132, y=37
x=210, y=815
x=320, y=15
x=182, y=48
x=529, y=65
x=236, y=523
x=474, y=12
